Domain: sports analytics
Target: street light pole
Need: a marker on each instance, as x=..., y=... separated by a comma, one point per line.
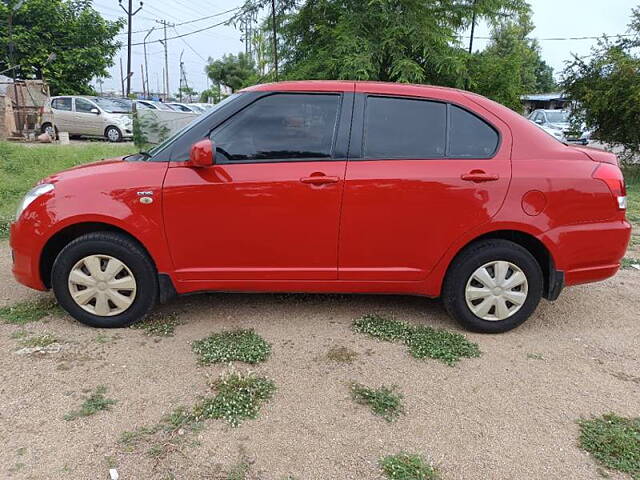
x=130, y=13
x=146, y=66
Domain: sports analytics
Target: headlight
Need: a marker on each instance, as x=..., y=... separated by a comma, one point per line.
x=31, y=195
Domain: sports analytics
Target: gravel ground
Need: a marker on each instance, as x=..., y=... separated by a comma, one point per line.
x=510, y=414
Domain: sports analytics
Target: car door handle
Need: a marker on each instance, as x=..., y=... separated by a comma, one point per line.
x=479, y=176
x=319, y=179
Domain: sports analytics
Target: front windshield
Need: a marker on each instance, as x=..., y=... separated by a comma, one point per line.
x=197, y=120
x=558, y=117
x=113, y=106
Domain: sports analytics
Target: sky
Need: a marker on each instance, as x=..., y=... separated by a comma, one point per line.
x=552, y=18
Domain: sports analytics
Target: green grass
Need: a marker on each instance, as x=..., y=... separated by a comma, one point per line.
x=341, y=355
x=406, y=466
x=158, y=324
x=27, y=312
x=383, y=401
x=92, y=405
x=235, y=345
x=628, y=261
x=614, y=441
x=238, y=398
x=41, y=341
x=632, y=179
x=22, y=166
x=423, y=342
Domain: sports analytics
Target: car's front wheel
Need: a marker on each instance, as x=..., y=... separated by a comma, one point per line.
x=105, y=279
x=113, y=134
x=493, y=286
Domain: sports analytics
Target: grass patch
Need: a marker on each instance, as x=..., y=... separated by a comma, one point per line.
x=535, y=356
x=22, y=166
x=423, y=342
x=158, y=324
x=383, y=401
x=341, y=355
x=238, y=398
x=27, y=312
x=238, y=471
x=18, y=334
x=40, y=341
x=92, y=405
x=236, y=345
x=614, y=441
x=406, y=466
x=627, y=262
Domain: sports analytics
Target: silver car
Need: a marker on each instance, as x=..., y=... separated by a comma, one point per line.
x=557, y=123
x=88, y=116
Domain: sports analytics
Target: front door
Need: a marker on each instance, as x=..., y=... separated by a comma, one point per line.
x=423, y=173
x=269, y=207
x=86, y=121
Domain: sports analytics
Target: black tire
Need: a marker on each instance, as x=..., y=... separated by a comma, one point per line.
x=121, y=248
x=46, y=126
x=474, y=257
x=113, y=134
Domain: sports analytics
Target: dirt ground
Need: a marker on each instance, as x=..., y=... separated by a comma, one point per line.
x=510, y=414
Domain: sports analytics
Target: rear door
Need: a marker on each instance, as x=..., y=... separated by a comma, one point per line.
x=269, y=208
x=62, y=109
x=421, y=172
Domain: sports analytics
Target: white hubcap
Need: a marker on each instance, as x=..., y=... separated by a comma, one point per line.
x=113, y=134
x=496, y=290
x=102, y=285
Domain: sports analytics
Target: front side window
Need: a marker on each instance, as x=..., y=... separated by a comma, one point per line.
x=280, y=127
x=470, y=136
x=63, y=103
x=83, y=106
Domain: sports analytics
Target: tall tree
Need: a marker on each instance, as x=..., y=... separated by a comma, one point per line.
x=233, y=71
x=84, y=43
x=605, y=87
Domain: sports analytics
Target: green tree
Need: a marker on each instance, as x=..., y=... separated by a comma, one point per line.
x=233, y=71
x=84, y=43
x=606, y=87
x=511, y=64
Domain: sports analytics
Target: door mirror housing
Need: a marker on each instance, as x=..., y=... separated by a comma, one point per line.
x=202, y=154
x=95, y=110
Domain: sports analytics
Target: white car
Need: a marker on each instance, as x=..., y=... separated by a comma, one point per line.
x=87, y=116
x=183, y=107
x=557, y=123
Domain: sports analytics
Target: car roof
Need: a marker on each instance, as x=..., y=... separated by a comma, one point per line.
x=347, y=86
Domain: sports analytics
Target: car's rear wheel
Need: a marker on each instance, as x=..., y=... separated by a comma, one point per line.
x=493, y=286
x=113, y=134
x=105, y=280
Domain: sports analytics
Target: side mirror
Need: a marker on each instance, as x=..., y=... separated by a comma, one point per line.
x=201, y=154
x=539, y=121
x=95, y=110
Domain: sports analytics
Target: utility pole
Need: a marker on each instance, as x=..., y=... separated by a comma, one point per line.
x=275, y=38
x=146, y=66
x=130, y=13
x=181, y=73
x=144, y=90
x=13, y=9
x=165, y=24
x=473, y=29
x=121, y=78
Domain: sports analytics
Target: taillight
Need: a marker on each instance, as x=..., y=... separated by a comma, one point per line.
x=612, y=177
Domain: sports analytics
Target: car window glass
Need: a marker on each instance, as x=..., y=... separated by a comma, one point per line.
x=280, y=126
x=404, y=128
x=83, y=106
x=469, y=135
x=61, y=103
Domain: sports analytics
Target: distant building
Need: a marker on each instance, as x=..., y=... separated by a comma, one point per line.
x=545, y=101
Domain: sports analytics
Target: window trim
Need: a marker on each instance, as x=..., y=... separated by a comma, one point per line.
x=446, y=156
x=335, y=135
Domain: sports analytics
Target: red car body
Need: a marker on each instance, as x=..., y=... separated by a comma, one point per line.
x=349, y=224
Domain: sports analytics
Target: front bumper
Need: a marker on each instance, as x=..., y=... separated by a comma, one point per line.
x=25, y=252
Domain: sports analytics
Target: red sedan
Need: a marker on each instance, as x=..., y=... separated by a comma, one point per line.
x=331, y=186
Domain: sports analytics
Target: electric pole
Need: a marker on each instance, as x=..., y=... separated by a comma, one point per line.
x=130, y=13
x=146, y=66
x=473, y=29
x=165, y=24
x=275, y=39
x=181, y=74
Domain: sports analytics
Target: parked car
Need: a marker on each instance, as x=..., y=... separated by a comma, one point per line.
x=152, y=105
x=183, y=107
x=87, y=116
x=331, y=186
x=557, y=123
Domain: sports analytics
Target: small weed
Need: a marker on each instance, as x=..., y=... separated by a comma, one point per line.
x=406, y=466
x=27, y=312
x=18, y=334
x=238, y=397
x=423, y=342
x=383, y=401
x=21, y=451
x=158, y=324
x=628, y=262
x=39, y=341
x=94, y=404
x=238, y=471
x=535, y=356
x=614, y=441
x=341, y=355
x=236, y=345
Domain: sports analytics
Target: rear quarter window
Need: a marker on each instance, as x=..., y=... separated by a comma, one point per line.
x=470, y=136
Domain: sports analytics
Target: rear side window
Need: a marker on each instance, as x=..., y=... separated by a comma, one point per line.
x=281, y=127
x=61, y=103
x=404, y=128
x=469, y=135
